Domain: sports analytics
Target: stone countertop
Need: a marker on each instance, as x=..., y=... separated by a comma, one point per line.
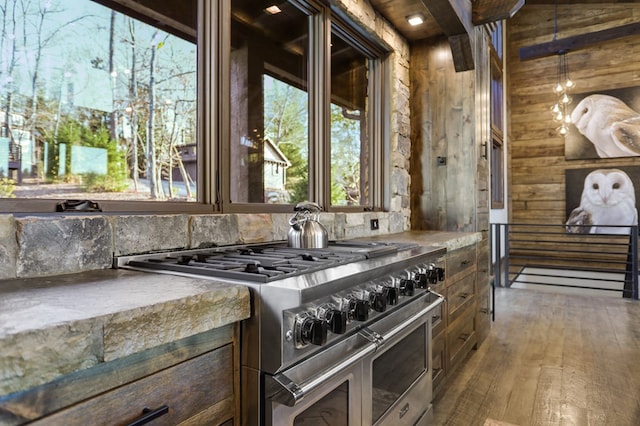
x=50, y=327
x=449, y=240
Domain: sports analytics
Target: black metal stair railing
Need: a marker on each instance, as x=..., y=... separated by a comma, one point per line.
x=530, y=255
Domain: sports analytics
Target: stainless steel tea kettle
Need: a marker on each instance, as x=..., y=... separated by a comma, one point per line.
x=306, y=231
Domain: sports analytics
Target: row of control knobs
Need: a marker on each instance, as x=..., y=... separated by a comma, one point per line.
x=312, y=328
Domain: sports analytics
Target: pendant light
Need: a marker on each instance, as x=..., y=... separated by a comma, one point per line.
x=560, y=110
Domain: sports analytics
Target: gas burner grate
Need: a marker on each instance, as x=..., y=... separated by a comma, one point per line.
x=256, y=264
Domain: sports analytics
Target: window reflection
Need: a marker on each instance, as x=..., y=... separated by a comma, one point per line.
x=397, y=369
x=97, y=104
x=269, y=104
x=331, y=410
x=349, y=138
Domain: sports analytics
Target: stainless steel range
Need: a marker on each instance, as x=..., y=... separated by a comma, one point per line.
x=338, y=336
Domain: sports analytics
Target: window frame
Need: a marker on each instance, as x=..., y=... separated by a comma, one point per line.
x=497, y=174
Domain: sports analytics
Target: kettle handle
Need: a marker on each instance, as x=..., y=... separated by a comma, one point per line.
x=295, y=220
x=308, y=206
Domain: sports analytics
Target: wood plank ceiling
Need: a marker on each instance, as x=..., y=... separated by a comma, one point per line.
x=454, y=19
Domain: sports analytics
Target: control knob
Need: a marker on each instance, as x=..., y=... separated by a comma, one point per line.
x=358, y=309
x=407, y=287
x=440, y=273
x=378, y=300
x=314, y=331
x=336, y=319
x=391, y=293
x=422, y=278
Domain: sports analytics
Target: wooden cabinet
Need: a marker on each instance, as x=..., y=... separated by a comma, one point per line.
x=456, y=336
x=466, y=313
x=461, y=304
x=190, y=382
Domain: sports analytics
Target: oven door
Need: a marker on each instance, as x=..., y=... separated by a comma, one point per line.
x=397, y=386
x=335, y=402
x=324, y=389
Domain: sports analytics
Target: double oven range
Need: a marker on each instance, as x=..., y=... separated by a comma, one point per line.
x=337, y=336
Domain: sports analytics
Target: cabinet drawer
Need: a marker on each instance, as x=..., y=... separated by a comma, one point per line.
x=460, y=295
x=460, y=262
x=188, y=389
x=438, y=360
x=461, y=338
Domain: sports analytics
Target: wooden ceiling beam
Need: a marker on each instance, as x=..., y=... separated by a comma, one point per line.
x=487, y=11
x=577, y=42
x=454, y=17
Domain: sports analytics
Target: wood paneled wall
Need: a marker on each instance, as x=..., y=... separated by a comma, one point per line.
x=537, y=163
x=449, y=124
x=443, y=194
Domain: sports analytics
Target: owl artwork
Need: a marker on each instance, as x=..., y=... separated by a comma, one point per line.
x=608, y=198
x=610, y=125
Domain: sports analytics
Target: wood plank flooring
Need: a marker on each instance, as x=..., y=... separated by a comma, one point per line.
x=550, y=359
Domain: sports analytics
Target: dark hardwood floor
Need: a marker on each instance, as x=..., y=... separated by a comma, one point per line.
x=550, y=359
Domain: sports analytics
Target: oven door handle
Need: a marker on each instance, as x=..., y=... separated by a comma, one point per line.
x=411, y=320
x=292, y=393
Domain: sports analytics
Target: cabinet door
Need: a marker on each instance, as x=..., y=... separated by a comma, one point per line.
x=201, y=387
x=460, y=296
x=438, y=357
x=461, y=338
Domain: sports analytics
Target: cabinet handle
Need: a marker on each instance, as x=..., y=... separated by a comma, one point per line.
x=464, y=336
x=404, y=410
x=484, y=311
x=148, y=415
x=464, y=263
x=463, y=295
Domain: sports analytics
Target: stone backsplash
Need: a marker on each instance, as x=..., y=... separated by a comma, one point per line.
x=40, y=246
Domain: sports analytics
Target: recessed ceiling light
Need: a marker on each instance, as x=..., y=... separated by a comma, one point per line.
x=415, y=19
x=272, y=10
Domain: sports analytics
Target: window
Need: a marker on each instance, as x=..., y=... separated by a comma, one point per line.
x=349, y=124
x=292, y=139
x=191, y=106
x=497, y=122
x=98, y=103
x=269, y=104
x=497, y=175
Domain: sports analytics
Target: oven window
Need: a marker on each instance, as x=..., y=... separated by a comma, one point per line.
x=331, y=410
x=397, y=369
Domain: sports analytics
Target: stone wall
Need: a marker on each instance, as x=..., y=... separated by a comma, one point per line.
x=45, y=246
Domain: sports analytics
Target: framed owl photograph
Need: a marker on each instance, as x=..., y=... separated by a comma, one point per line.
x=602, y=200
x=604, y=124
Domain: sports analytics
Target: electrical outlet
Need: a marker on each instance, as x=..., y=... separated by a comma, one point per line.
x=374, y=224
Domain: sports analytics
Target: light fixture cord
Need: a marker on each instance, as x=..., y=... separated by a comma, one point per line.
x=555, y=23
